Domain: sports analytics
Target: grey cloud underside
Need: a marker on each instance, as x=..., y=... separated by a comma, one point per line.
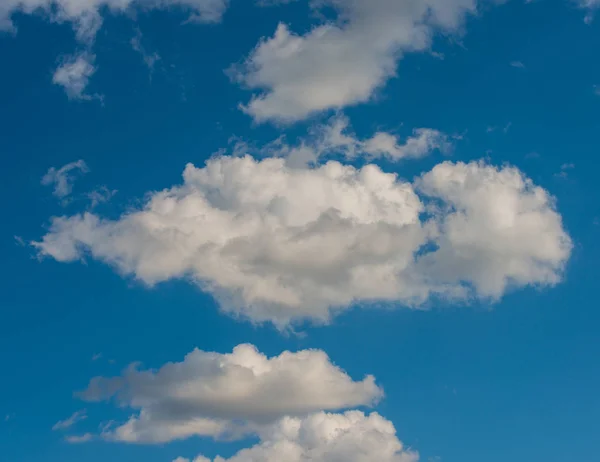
x=218, y=395
x=349, y=437
x=282, y=244
x=284, y=401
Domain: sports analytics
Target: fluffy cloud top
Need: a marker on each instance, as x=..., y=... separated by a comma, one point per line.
x=277, y=243
x=216, y=394
x=342, y=62
x=322, y=437
x=497, y=229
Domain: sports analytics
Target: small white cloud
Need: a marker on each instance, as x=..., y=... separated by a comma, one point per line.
x=74, y=74
x=341, y=62
x=517, y=64
x=79, y=439
x=564, y=170
x=100, y=195
x=336, y=138
x=422, y=142
x=68, y=423
x=62, y=179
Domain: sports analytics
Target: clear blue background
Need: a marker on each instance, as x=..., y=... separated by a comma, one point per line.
x=517, y=381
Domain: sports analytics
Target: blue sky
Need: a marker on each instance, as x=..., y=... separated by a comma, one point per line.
x=400, y=194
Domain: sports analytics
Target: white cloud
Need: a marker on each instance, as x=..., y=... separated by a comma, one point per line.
x=281, y=244
x=349, y=437
x=68, y=423
x=499, y=230
x=420, y=144
x=79, y=439
x=74, y=75
x=100, y=195
x=62, y=179
x=214, y=394
x=518, y=64
x=86, y=17
x=343, y=62
x=336, y=138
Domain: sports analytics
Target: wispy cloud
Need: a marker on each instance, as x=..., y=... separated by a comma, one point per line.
x=74, y=73
x=150, y=59
x=564, y=170
x=63, y=178
x=517, y=64
x=493, y=128
x=78, y=439
x=68, y=423
x=100, y=195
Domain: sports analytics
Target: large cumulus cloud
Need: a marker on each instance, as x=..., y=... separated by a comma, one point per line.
x=278, y=243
